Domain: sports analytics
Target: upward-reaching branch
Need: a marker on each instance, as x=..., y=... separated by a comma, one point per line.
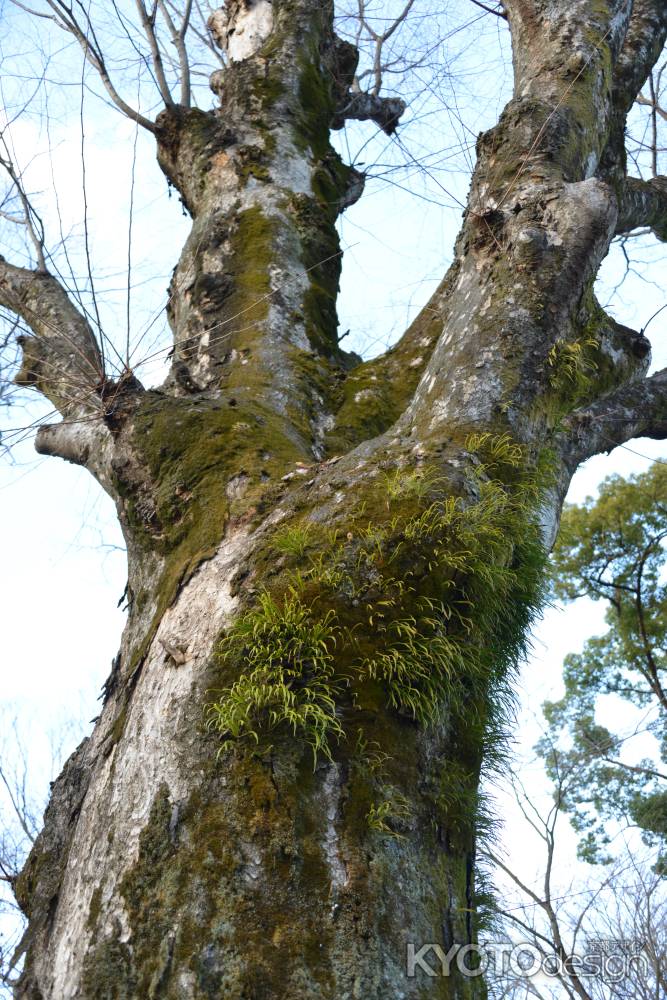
x=148, y=24
x=178, y=39
x=30, y=219
x=62, y=360
x=65, y=18
x=644, y=41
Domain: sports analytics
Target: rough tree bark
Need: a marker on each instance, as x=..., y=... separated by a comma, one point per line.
x=396, y=510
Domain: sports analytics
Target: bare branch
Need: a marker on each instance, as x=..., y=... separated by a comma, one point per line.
x=635, y=410
x=148, y=24
x=178, y=39
x=384, y=111
x=79, y=441
x=644, y=41
x=30, y=218
x=490, y=10
x=644, y=203
x=650, y=104
x=65, y=19
x=379, y=40
x=63, y=358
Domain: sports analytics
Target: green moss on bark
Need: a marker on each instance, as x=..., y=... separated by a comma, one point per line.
x=427, y=602
x=252, y=252
x=321, y=256
x=188, y=898
x=108, y=972
x=208, y=462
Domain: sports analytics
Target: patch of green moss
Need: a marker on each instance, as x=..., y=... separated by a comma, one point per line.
x=584, y=109
x=189, y=895
x=375, y=393
x=268, y=88
x=286, y=658
x=155, y=847
x=370, y=404
x=107, y=971
x=118, y=727
x=234, y=302
x=252, y=244
x=253, y=161
x=316, y=105
x=193, y=449
x=427, y=605
x=316, y=385
x=95, y=906
x=321, y=256
x=39, y=868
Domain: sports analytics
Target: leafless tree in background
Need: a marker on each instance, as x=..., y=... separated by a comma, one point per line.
x=25, y=776
x=602, y=938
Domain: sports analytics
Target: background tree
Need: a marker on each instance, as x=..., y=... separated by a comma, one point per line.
x=613, y=549
x=24, y=784
x=333, y=563
x=596, y=937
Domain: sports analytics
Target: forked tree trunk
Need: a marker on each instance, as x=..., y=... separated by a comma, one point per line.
x=367, y=538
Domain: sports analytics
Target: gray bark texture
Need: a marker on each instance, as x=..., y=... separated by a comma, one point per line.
x=332, y=564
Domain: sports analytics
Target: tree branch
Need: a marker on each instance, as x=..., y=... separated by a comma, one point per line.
x=644, y=41
x=384, y=111
x=148, y=24
x=62, y=359
x=379, y=40
x=499, y=13
x=652, y=104
x=30, y=218
x=644, y=203
x=635, y=410
x=84, y=441
x=65, y=19
x=178, y=40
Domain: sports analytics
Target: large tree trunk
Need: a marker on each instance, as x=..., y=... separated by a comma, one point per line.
x=367, y=538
